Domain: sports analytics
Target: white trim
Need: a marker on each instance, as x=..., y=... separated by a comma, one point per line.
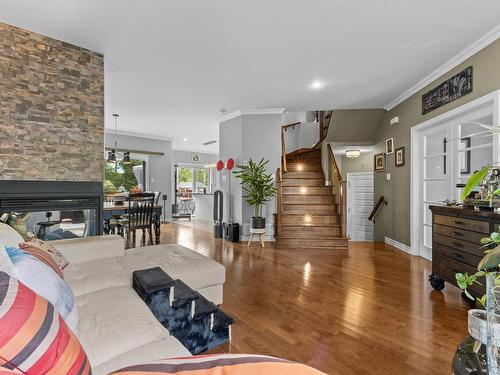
x=350, y=200
x=400, y=246
x=194, y=150
x=138, y=135
x=456, y=60
x=243, y=112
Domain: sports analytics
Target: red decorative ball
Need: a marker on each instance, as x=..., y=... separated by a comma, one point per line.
x=230, y=164
x=220, y=165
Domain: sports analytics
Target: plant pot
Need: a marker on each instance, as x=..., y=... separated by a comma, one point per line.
x=478, y=327
x=258, y=222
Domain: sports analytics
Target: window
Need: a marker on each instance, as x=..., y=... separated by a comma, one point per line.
x=123, y=177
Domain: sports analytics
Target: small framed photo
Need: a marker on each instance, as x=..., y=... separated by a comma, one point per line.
x=379, y=161
x=399, y=160
x=389, y=146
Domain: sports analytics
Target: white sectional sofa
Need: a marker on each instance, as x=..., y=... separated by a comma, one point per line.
x=115, y=327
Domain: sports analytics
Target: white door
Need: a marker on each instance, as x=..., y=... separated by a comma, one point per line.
x=446, y=151
x=359, y=205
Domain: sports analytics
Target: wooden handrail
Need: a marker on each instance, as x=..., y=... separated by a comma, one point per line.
x=374, y=212
x=324, y=124
x=279, y=179
x=283, y=146
x=336, y=169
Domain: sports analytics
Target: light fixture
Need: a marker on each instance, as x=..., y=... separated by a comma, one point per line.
x=185, y=139
x=352, y=154
x=317, y=85
x=300, y=167
x=112, y=155
x=307, y=219
x=303, y=190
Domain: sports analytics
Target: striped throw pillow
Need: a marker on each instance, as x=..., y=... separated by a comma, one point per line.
x=227, y=364
x=34, y=339
x=46, y=253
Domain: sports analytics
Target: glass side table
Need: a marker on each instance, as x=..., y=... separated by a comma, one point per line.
x=466, y=362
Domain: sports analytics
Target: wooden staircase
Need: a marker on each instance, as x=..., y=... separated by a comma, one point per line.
x=308, y=214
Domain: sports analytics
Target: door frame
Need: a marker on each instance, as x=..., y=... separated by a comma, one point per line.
x=493, y=100
x=350, y=199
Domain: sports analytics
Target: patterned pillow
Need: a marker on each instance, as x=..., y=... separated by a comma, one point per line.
x=44, y=281
x=33, y=337
x=46, y=253
x=227, y=364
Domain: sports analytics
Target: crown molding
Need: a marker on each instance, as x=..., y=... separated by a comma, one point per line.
x=243, y=112
x=138, y=135
x=469, y=51
x=193, y=150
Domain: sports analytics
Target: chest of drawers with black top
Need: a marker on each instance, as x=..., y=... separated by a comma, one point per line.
x=456, y=243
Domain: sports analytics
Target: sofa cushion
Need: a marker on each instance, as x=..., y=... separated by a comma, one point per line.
x=33, y=336
x=8, y=237
x=193, y=268
x=169, y=347
x=43, y=280
x=114, y=321
x=46, y=253
x=227, y=364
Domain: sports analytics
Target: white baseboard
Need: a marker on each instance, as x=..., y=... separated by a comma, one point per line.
x=400, y=246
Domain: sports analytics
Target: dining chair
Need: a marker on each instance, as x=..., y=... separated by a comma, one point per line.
x=139, y=216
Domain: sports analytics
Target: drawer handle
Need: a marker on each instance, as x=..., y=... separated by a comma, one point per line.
x=458, y=255
x=459, y=222
x=458, y=234
x=458, y=244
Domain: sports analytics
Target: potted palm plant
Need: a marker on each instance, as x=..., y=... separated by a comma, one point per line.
x=258, y=186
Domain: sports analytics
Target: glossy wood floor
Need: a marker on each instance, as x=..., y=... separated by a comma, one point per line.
x=367, y=310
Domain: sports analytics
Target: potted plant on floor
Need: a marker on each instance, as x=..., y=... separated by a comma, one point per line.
x=258, y=186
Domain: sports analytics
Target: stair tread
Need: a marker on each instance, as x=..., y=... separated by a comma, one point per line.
x=203, y=307
x=183, y=294
x=222, y=320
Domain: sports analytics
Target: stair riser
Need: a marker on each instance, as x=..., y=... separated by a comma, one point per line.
x=295, y=243
x=310, y=232
x=308, y=199
x=303, y=182
x=312, y=190
x=292, y=166
x=313, y=220
x=303, y=175
x=309, y=210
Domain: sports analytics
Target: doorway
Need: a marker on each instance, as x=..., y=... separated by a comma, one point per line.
x=446, y=151
x=360, y=188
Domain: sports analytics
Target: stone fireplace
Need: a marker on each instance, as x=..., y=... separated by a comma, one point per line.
x=51, y=131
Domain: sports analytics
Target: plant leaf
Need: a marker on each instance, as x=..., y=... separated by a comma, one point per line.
x=474, y=181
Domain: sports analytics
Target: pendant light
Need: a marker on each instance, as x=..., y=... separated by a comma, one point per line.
x=112, y=154
x=126, y=158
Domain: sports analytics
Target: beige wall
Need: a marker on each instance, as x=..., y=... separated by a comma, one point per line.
x=394, y=219
x=362, y=164
x=51, y=109
x=355, y=126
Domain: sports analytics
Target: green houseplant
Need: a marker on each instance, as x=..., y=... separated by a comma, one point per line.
x=258, y=186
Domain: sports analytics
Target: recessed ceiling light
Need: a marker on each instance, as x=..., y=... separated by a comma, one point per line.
x=317, y=85
x=184, y=139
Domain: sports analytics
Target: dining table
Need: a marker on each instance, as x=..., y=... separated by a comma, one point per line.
x=112, y=209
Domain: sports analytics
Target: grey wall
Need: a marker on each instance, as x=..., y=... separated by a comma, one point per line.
x=394, y=219
x=186, y=157
x=244, y=138
x=160, y=167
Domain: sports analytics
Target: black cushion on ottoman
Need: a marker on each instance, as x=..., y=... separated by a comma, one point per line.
x=153, y=286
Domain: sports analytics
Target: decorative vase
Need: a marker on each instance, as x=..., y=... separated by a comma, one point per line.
x=492, y=322
x=478, y=327
x=258, y=222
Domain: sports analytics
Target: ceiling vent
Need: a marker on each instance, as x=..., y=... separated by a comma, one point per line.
x=209, y=143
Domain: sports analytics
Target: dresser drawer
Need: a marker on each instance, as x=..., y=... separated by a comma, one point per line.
x=467, y=224
x=458, y=244
x=447, y=268
x=461, y=256
x=460, y=234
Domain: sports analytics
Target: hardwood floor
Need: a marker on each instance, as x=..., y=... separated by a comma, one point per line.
x=366, y=310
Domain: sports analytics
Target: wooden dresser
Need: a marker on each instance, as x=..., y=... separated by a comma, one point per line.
x=456, y=246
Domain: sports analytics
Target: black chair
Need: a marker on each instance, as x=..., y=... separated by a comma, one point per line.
x=139, y=216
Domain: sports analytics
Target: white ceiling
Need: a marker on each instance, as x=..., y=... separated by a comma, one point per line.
x=171, y=65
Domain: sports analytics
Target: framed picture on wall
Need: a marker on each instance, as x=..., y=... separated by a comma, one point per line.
x=464, y=155
x=389, y=146
x=379, y=162
x=399, y=160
